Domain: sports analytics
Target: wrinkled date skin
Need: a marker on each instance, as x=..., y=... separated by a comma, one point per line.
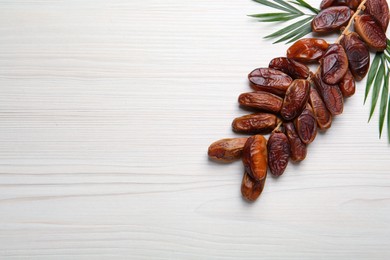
x=254, y=157
x=270, y=80
x=261, y=100
x=358, y=55
x=331, y=19
x=294, y=69
x=278, y=153
x=227, y=150
x=379, y=9
x=296, y=98
x=258, y=123
x=298, y=149
x=307, y=50
x=323, y=116
x=371, y=32
x=353, y=4
x=251, y=189
x=347, y=85
x=331, y=95
x=306, y=125
x=334, y=64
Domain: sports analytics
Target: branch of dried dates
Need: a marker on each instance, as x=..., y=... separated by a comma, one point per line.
x=291, y=102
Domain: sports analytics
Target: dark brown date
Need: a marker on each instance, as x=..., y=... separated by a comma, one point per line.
x=295, y=100
x=306, y=125
x=379, y=9
x=371, y=32
x=294, y=69
x=227, y=150
x=261, y=100
x=331, y=19
x=298, y=149
x=334, y=64
x=347, y=85
x=278, y=153
x=251, y=189
x=258, y=123
x=323, y=116
x=307, y=50
x=353, y=4
x=270, y=80
x=331, y=95
x=357, y=54
x=254, y=157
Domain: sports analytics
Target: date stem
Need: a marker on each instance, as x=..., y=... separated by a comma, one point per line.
x=347, y=28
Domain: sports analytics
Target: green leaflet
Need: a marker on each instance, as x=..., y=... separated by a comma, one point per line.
x=289, y=28
x=372, y=74
x=383, y=105
x=306, y=5
x=377, y=85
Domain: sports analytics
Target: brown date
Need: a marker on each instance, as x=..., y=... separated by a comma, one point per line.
x=306, y=125
x=258, y=123
x=294, y=69
x=331, y=95
x=353, y=4
x=334, y=64
x=380, y=11
x=296, y=98
x=307, y=50
x=298, y=149
x=331, y=19
x=251, y=189
x=227, y=150
x=357, y=54
x=347, y=85
x=371, y=32
x=261, y=100
x=254, y=157
x=270, y=80
x=278, y=153
x=323, y=116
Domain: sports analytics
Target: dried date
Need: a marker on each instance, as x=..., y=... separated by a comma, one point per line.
x=227, y=150
x=331, y=19
x=254, y=157
x=298, y=149
x=323, y=116
x=278, y=153
x=334, y=64
x=306, y=125
x=371, y=32
x=347, y=85
x=357, y=54
x=296, y=98
x=258, y=123
x=307, y=50
x=251, y=189
x=294, y=69
x=270, y=80
x=353, y=4
x=331, y=95
x=261, y=100
x=379, y=9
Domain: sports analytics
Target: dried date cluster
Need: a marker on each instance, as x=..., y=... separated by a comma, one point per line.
x=291, y=103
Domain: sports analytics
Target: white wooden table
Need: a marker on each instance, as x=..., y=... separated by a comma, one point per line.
x=106, y=112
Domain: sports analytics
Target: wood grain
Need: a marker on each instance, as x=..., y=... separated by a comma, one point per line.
x=106, y=112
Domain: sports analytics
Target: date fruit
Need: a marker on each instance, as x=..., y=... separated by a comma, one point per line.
x=331, y=95
x=357, y=54
x=371, y=32
x=307, y=50
x=334, y=64
x=254, y=157
x=306, y=125
x=331, y=19
x=261, y=100
x=353, y=4
x=298, y=149
x=278, y=153
x=227, y=150
x=258, y=123
x=251, y=189
x=380, y=11
x=347, y=85
x=295, y=100
x=270, y=80
x=294, y=69
x=323, y=116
